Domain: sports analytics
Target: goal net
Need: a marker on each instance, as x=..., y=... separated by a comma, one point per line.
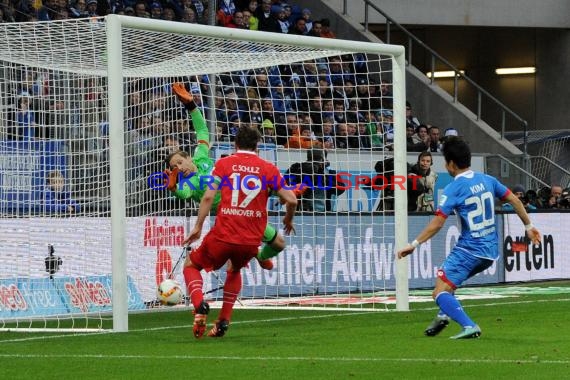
x=87, y=229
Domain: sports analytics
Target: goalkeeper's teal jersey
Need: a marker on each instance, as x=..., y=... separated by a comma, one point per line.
x=204, y=164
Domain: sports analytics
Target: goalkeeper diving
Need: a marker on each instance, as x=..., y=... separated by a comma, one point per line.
x=201, y=164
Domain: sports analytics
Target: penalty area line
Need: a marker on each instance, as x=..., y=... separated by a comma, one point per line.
x=284, y=358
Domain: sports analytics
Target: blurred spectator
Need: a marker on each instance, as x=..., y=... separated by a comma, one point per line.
x=282, y=19
x=375, y=101
x=258, y=86
x=555, y=193
x=410, y=118
x=386, y=169
x=340, y=114
x=57, y=199
x=564, y=199
x=8, y=12
x=386, y=90
x=327, y=134
x=92, y=8
x=319, y=179
x=434, y=134
x=349, y=90
x=221, y=134
x=286, y=130
x=140, y=9
x=420, y=196
x=303, y=139
x=386, y=120
x=225, y=12
x=268, y=132
x=54, y=114
x=156, y=10
x=249, y=22
x=519, y=192
x=347, y=136
x=237, y=21
x=316, y=29
x=168, y=14
x=339, y=73
x=281, y=102
x=233, y=126
x=362, y=93
x=250, y=16
x=267, y=19
x=183, y=133
x=129, y=11
x=79, y=9
x=25, y=119
x=306, y=14
x=421, y=135
x=410, y=144
x=374, y=132
x=255, y=116
x=198, y=6
x=364, y=138
x=189, y=16
x=449, y=132
x=326, y=31
x=341, y=136
x=299, y=27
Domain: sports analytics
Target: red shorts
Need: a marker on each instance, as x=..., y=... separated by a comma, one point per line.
x=213, y=253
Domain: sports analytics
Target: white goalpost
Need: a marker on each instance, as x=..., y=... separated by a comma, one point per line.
x=87, y=230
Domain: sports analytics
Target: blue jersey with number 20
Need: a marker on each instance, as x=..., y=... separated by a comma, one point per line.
x=472, y=196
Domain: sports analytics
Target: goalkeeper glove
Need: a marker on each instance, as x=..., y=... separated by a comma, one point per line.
x=183, y=96
x=171, y=179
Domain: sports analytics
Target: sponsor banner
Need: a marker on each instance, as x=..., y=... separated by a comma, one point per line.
x=30, y=297
x=354, y=253
x=549, y=260
x=84, y=246
x=93, y=293
x=24, y=166
x=336, y=253
x=25, y=297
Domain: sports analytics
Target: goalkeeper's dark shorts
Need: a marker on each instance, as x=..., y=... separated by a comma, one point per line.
x=213, y=253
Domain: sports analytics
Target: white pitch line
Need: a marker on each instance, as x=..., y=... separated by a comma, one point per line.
x=281, y=319
x=283, y=358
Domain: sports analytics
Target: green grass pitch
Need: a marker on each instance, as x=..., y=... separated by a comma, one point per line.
x=524, y=337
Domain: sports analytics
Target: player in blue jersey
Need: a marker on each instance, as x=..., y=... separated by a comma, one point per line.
x=472, y=197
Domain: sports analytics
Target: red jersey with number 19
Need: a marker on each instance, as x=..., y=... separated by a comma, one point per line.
x=245, y=181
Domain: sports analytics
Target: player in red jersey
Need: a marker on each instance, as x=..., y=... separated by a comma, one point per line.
x=245, y=181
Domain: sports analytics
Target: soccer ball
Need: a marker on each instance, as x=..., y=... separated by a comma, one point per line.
x=169, y=292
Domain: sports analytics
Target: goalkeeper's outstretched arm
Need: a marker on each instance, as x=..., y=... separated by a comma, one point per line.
x=198, y=120
x=202, y=151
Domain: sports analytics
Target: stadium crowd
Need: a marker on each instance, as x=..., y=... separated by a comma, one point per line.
x=334, y=103
x=340, y=102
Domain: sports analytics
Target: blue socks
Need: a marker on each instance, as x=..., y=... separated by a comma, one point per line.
x=449, y=305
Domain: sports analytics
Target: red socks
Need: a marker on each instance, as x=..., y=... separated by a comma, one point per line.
x=194, y=284
x=232, y=287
